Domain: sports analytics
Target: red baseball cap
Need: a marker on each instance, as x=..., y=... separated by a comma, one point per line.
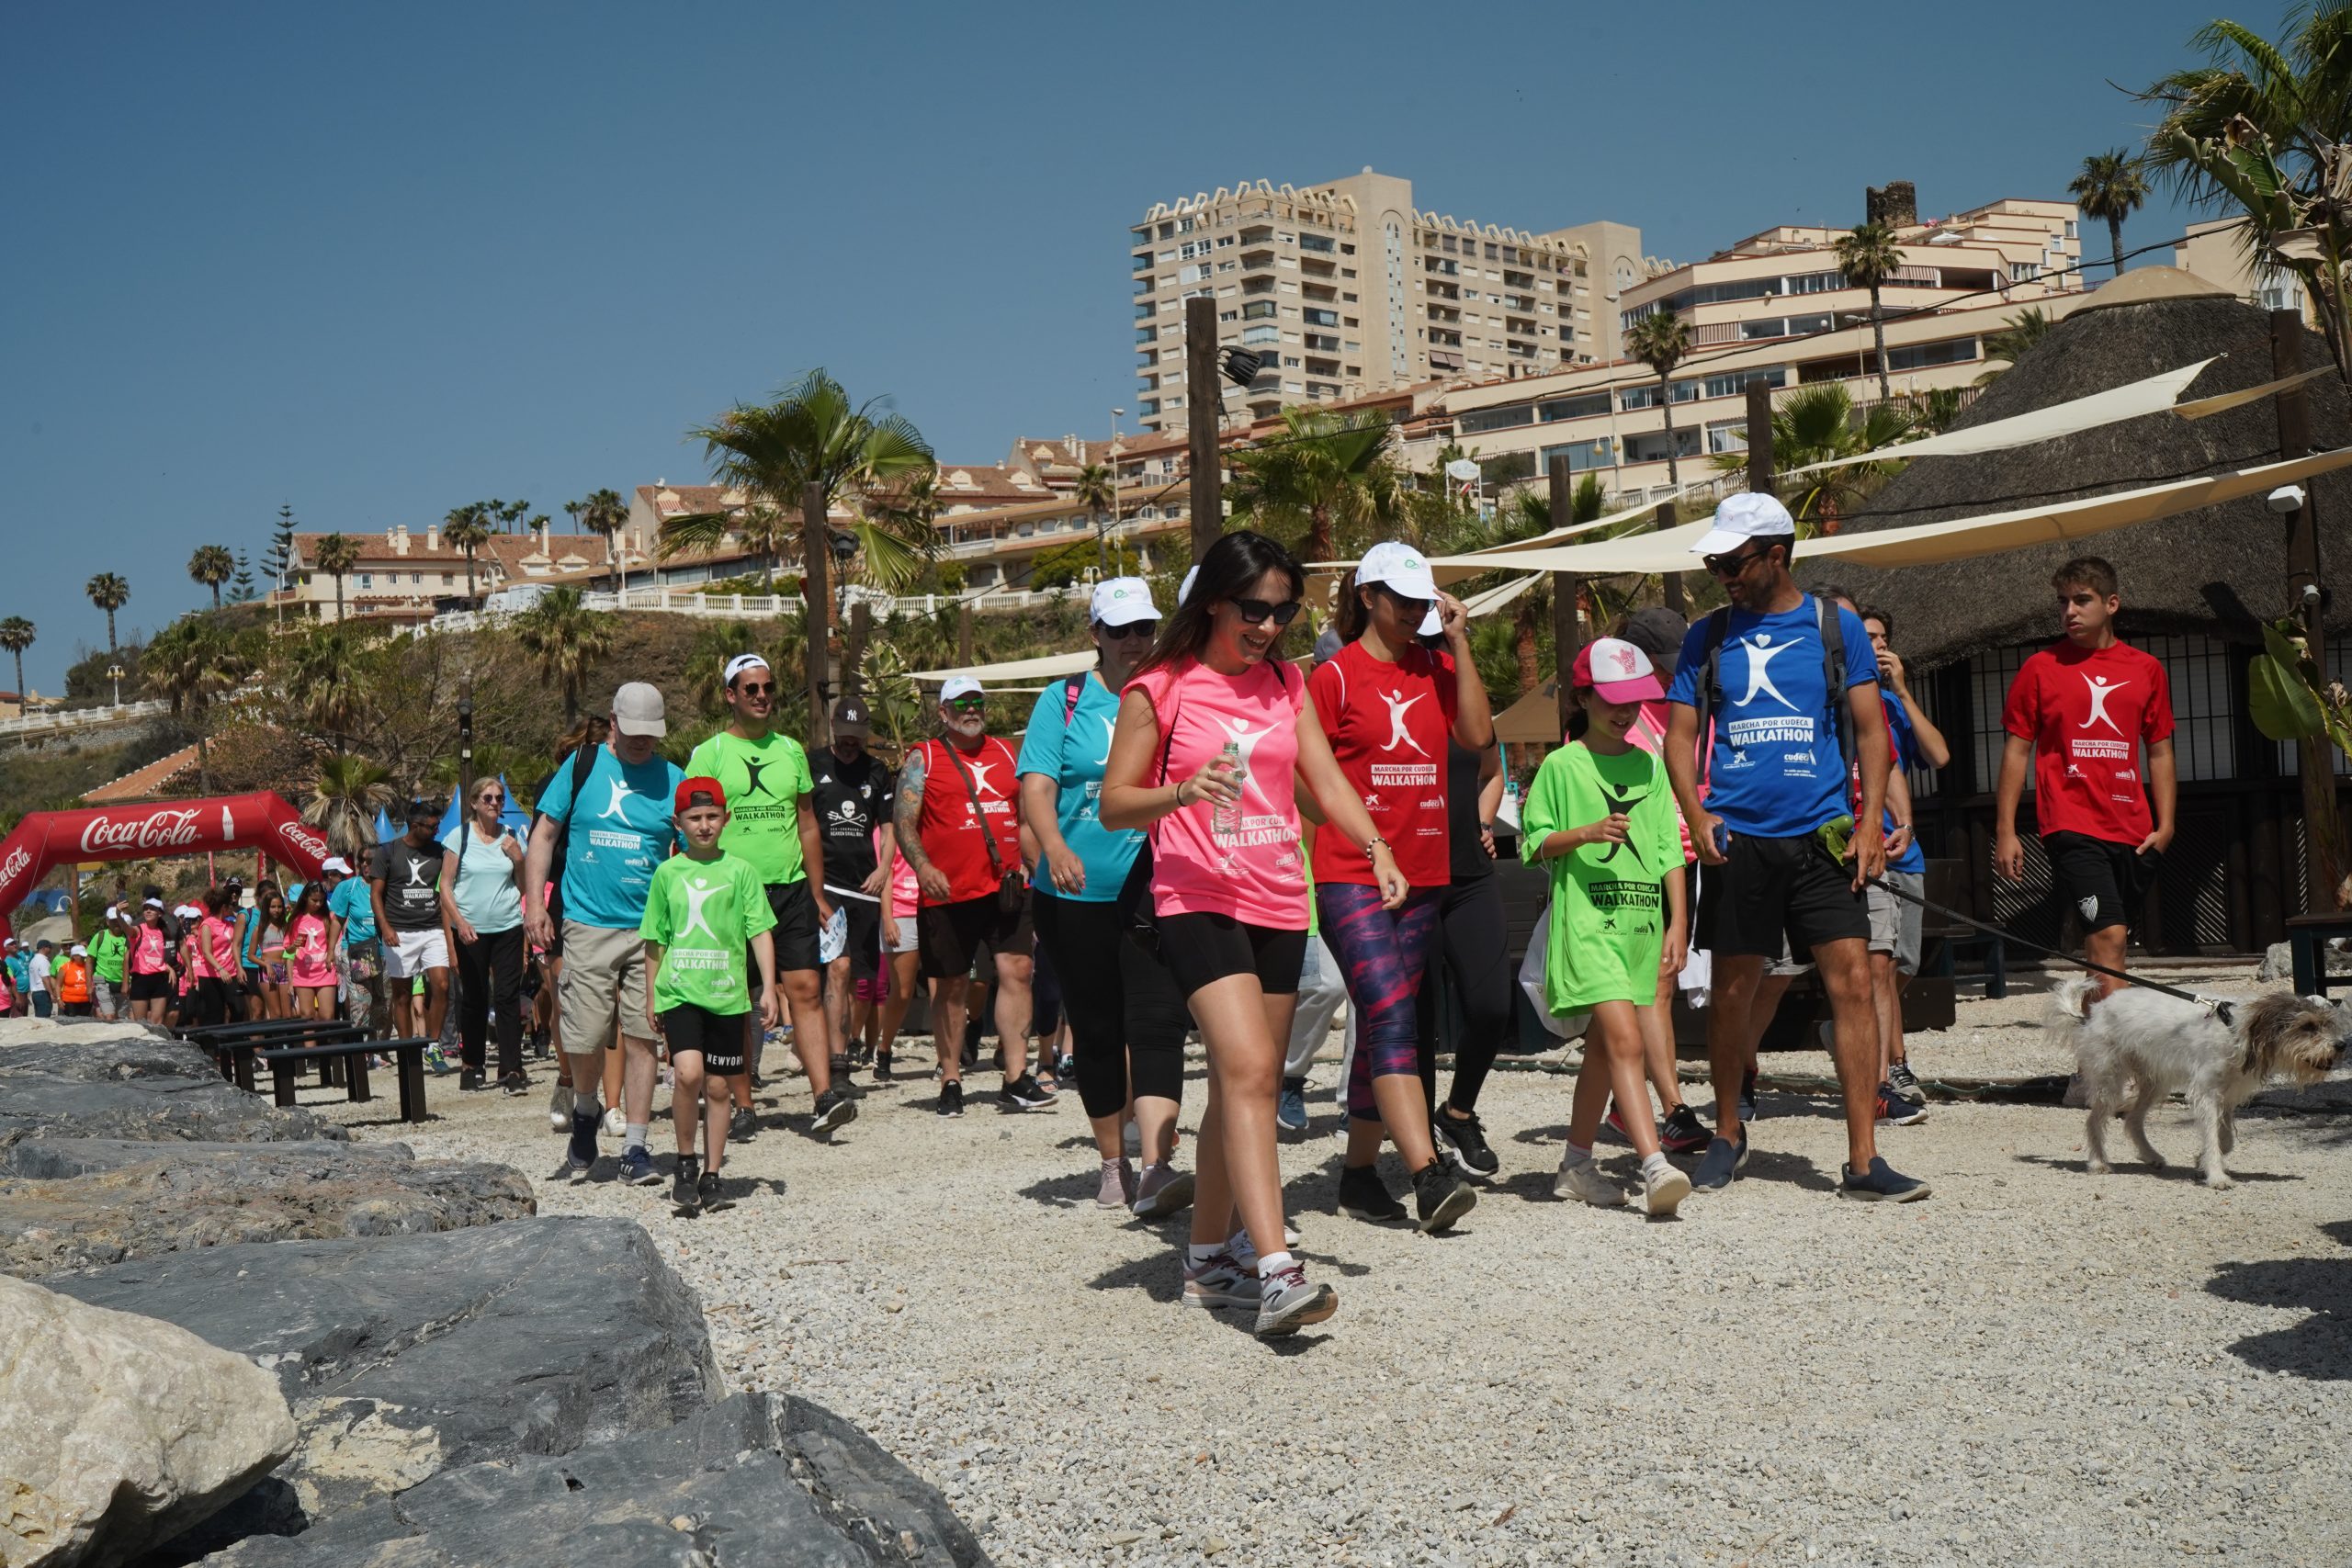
x=698, y=791
x=1617, y=670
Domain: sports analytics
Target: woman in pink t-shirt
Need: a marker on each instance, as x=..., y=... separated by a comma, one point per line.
x=1228, y=890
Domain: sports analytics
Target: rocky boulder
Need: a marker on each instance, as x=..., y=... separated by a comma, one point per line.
x=115, y=1080
x=121, y=1431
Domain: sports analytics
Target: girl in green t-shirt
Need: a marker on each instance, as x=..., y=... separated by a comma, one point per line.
x=1601, y=818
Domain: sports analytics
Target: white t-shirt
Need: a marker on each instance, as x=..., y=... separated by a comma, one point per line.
x=40, y=971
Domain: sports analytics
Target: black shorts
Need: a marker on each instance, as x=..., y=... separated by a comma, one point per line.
x=951, y=937
x=1201, y=947
x=1773, y=892
x=152, y=988
x=717, y=1037
x=795, y=936
x=2100, y=880
x=864, y=949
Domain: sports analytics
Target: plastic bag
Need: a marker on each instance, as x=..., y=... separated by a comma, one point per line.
x=1569, y=1026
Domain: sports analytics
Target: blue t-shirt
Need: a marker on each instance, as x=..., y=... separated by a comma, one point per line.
x=1904, y=738
x=1775, y=772
x=1072, y=756
x=353, y=905
x=621, y=831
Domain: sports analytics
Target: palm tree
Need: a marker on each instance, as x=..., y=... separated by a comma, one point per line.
x=714, y=643
x=213, y=565
x=567, y=639
x=2111, y=186
x=1869, y=256
x=343, y=800
x=1097, y=492
x=109, y=592
x=508, y=513
x=16, y=635
x=2009, y=346
x=191, y=663
x=600, y=512
x=467, y=527
x=1659, y=340
x=2265, y=129
x=1814, y=425
x=1324, y=469
x=337, y=554
x=324, y=678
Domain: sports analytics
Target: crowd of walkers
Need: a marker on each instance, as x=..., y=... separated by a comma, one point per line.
x=1196, y=836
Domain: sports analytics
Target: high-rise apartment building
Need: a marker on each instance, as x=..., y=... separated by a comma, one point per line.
x=1346, y=288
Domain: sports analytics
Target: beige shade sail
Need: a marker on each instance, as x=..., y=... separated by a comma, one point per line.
x=1044, y=667
x=2224, y=402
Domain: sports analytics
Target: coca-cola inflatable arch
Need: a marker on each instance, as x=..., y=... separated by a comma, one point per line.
x=261, y=821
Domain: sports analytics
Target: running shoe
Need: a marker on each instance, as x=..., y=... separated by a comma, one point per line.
x=1881, y=1184
x=1440, y=1198
x=1720, y=1164
x=469, y=1081
x=515, y=1083
x=1582, y=1180
x=615, y=1123
x=1748, y=1095
x=1222, y=1281
x=1066, y=1069
x=1663, y=1191
x=1893, y=1107
x=882, y=1067
x=835, y=1107
x=1366, y=1196
x=559, y=1109
x=437, y=1059
x=1289, y=1111
x=711, y=1194
x=1025, y=1093
x=1118, y=1189
x=951, y=1099
x=683, y=1198
x=741, y=1126
x=636, y=1168
x=840, y=1065
x=1905, y=1087
x=539, y=1044
x=1287, y=1303
x=1614, y=1122
x=575, y=1171
x=1468, y=1136
x=1162, y=1191
x=582, y=1153
x=1682, y=1133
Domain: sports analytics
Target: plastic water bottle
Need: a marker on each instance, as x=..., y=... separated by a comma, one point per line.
x=1508, y=813
x=1224, y=819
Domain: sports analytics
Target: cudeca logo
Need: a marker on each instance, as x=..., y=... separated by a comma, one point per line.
x=157, y=829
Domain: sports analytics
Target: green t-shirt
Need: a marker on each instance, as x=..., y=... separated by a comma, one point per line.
x=764, y=779
x=703, y=913
x=1608, y=900
x=107, y=951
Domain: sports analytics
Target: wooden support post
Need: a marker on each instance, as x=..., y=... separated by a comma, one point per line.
x=1567, y=636
x=2315, y=759
x=1204, y=396
x=1673, y=579
x=816, y=551
x=1759, y=437
x=964, y=635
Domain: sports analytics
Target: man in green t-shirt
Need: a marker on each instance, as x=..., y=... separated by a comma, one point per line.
x=772, y=825
x=109, y=949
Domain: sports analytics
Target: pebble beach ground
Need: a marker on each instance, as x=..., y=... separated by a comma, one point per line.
x=2036, y=1366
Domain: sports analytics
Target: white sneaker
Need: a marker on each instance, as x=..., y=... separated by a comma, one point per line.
x=1222, y=1281
x=1288, y=1303
x=1583, y=1180
x=1663, y=1193
x=1290, y=1236
x=615, y=1123
x=559, y=1109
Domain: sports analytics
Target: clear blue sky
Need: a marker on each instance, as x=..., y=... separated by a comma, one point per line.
x=378, y=262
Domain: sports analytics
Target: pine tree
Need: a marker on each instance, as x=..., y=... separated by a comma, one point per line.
x=278, y=563
x=240, y=589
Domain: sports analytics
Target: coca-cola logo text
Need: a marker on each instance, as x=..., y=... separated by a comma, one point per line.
x=303, y=840
x=161, y=829
x=18, y=859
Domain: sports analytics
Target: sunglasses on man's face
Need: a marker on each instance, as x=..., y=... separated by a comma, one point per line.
x=756, y=688
x=1132, y=629
x=1255, y=611
x=1731, y=565
x=967, y=705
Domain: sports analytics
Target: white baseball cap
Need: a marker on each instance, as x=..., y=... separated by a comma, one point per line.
x=80, y=952
x=1120, y=601
x=739, y=663
x=332, y=862
x=1742, y=517
x=637, y=710
x=1617, y=670
x=959, y=686
x=1402, y=568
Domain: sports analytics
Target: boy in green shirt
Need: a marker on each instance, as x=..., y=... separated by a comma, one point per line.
x=1601, y=815
x=703, y=909
x=109, y=949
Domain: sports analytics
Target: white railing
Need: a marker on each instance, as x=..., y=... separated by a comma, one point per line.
x=759, y=607
x=81, y=718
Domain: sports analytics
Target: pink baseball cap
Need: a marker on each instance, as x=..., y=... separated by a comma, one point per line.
x=1617, y=670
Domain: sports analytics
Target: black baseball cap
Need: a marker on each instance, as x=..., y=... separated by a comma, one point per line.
x=850, y=714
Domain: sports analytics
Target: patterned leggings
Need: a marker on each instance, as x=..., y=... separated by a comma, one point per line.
x=1382, y=952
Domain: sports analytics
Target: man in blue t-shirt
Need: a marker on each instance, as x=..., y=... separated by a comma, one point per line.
x=620, y=829
x=1777, y=776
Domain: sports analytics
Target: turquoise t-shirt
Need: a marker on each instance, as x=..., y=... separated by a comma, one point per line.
x=620, y=832
x=351, y=904
x=1072, y=756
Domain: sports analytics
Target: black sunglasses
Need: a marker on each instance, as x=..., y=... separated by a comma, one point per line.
x=1131, y=630
x=1254, y=611
x=1731, y=565
x=757, y=688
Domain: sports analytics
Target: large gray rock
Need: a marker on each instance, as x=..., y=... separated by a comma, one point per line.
x=72, y=1030
x=119, y=1431
x=402, y=1356
x=121, y=1080
x=110, y=1201
x=111, y=1058
x=757, y=1480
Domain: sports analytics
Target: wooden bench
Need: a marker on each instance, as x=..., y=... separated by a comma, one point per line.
x=287, y=1062
x=232, y=1045
x=2307, y=941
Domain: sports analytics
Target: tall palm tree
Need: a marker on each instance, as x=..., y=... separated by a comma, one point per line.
x=109, y=592
x=324, y=676
x=343, y=800
x=1324, y=469
x=213, y=565
x=2015, y=335
x=336, y=555
x=1869, y=256
x=2111, y=186
x=191, y=664
x=1815, y=423
x=2264, y=129
x=1099, y=493
x=601, y=511
x=467, y=527
x=567, y=639
x=16, y=635
x=1659, y=340
x=508, y=513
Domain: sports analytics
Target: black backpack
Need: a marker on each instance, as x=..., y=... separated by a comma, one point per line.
x=1833, y=674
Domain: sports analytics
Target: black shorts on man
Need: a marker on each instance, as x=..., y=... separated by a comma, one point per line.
x=795, y=907
x=950, y=936
x=1772, y=892
x=2104, y=882
x=717, y=1037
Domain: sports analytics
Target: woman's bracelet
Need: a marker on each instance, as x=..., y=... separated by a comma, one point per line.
x=1179, y=795
x=1377, y=840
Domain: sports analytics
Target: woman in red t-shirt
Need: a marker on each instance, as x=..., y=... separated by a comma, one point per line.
x=1389, y=705
x=1230, y=891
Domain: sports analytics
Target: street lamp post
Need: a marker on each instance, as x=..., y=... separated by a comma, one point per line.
x=1101, y=560
x=114, y=673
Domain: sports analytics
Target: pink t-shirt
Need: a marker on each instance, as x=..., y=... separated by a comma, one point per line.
x=1649, y=733
x=906, y=892
x=1254, y=874
x=306, y=961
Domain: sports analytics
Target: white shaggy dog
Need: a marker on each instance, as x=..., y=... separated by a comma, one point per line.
x=2215, y=1054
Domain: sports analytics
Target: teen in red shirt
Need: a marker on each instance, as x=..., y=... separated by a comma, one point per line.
x=2081, y=710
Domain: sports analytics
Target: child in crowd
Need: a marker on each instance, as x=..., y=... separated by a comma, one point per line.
x=704, y=908
x=1600, y=815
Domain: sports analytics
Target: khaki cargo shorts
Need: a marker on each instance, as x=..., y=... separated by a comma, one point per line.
x=603, y=989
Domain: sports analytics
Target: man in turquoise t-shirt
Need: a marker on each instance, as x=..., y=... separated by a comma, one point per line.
x=620, y=830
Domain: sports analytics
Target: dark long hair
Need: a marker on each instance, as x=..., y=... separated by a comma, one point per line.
x=1230, y=570
x=1351, y=617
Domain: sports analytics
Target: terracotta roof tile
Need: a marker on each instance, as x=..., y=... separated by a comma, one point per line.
x=140, y=783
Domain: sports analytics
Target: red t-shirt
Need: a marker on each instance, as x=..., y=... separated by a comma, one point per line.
x=2087, y=712
x=1388, y=725
x=951, y=835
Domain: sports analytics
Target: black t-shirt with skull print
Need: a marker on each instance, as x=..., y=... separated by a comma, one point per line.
x=852, y=800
